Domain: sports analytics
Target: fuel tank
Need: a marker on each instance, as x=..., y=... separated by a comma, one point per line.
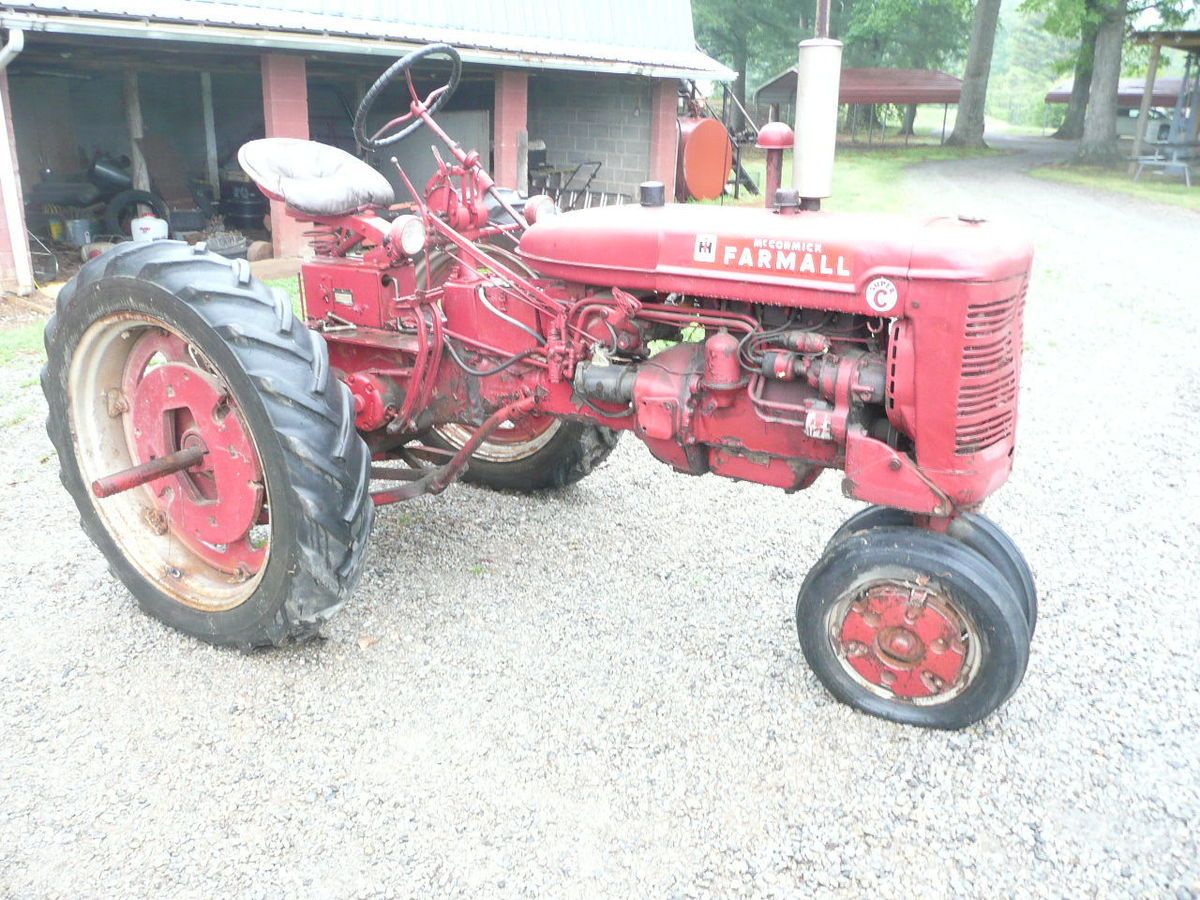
x=863, y=263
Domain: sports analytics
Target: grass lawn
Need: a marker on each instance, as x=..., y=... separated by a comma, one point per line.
x=21, y=342
x=1149, y=187
x=865, y=179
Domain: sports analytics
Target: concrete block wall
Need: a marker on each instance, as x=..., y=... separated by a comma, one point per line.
x=595, y=117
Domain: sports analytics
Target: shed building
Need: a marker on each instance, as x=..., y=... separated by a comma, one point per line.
x=591, y=81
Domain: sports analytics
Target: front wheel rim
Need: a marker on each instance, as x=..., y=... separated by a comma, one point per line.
x=137, y=389
x=905, y=641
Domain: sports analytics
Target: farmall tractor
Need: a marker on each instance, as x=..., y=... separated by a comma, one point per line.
x=226, y=454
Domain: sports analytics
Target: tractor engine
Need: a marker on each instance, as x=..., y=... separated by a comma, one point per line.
x=887, y=347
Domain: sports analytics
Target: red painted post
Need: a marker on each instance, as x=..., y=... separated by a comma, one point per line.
x=511, y=118
x=285, y=112
x=774, y=137
x=664, y=132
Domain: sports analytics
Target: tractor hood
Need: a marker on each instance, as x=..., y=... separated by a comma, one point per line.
x=761, y=256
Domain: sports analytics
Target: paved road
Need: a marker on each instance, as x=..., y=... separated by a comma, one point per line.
x=600, y=692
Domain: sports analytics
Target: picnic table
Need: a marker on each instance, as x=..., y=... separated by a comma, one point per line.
x=1173, y=157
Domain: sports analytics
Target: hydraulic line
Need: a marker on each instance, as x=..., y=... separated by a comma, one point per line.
x=481, y=293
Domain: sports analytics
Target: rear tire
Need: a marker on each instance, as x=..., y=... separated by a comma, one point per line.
x=299, y=419
x=122, y=209
x=546, y=461
x=962, y=653
x=568, y=455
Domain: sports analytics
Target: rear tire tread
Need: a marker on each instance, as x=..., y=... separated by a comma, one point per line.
x=307, y=409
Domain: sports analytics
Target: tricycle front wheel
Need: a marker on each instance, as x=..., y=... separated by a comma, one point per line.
x=913, y=627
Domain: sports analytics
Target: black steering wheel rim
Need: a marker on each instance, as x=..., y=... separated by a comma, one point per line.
x=394, y=71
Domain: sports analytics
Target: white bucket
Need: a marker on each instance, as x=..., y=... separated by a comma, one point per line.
x=148, y=228
x=79, y=231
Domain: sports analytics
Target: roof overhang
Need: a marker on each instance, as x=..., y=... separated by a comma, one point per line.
x=472, y=47
x=1170, y=40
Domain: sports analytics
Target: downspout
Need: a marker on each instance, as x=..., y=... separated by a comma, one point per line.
x=10, y=185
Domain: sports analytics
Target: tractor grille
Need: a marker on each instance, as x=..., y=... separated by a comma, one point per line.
x=991, y=362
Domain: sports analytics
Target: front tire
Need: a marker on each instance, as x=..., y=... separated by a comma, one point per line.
x=975, y=530
x=913, y=627
x=160, y=344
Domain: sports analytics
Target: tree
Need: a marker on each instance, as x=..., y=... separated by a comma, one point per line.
x=750, y=35
x=1072, y=123
x=968, y=124
x=1099, y=143
x=909, y=34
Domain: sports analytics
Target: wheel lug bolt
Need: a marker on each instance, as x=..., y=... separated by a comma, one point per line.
x=939, y=645
x=888, y=678
x=855, y=648
x=932, y=682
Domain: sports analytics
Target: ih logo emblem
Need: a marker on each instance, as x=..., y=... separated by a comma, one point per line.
x=706, y=248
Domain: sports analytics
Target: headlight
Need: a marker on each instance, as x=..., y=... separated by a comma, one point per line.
x=539, y=207
x=407, y=235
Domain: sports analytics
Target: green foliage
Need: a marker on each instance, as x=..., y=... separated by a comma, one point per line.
x=21, y=342
x=758, y=34
x=904, y=33
x=1028, y=60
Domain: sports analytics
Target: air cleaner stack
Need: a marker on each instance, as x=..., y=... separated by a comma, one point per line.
x=818, y=77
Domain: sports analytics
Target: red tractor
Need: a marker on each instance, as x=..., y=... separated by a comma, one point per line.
x=222, y=449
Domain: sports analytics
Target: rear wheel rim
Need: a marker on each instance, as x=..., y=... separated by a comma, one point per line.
x=511, y=442
x=138, y=389
x=906, y=642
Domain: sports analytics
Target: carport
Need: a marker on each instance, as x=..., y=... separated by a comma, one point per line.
x=870, y=87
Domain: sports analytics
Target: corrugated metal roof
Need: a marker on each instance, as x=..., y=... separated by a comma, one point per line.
x=1129, y=92
x=873, y=85
x=652, y=38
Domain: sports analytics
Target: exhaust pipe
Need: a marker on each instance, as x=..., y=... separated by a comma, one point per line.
x=818, y=79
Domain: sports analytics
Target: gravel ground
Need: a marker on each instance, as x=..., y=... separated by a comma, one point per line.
x=600, y=692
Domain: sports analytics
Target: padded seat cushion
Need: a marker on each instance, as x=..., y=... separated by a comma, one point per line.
x=314, y=178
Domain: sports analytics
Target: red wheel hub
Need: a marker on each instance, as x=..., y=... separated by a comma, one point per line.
x=904, y=638
x=176, y=405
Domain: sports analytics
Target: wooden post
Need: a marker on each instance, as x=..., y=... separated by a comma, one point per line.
x=1144, y=109
x=210, y=134
x=133, y=119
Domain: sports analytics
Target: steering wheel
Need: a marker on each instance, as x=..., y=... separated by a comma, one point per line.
x=431, y=104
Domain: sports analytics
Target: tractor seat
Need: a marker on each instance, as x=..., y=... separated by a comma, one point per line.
x=313, y=178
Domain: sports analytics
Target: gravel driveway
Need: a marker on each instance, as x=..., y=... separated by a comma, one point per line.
x=601, y=692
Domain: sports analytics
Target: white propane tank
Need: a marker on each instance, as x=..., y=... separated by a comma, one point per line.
x=818, y=79
x=148, y=228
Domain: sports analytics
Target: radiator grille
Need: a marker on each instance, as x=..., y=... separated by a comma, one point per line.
x=987, y=391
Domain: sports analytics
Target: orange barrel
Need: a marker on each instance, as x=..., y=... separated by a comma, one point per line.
x=705, y=158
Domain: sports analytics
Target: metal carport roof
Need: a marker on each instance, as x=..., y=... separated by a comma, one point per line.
x=1129, y=92
x=873, y=85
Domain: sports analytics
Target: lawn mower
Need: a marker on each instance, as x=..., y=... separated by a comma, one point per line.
x=227, y=454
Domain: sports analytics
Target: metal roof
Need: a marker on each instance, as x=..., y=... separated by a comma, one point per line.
x=653, y=38
x=873, y=86
x=1129, y=92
